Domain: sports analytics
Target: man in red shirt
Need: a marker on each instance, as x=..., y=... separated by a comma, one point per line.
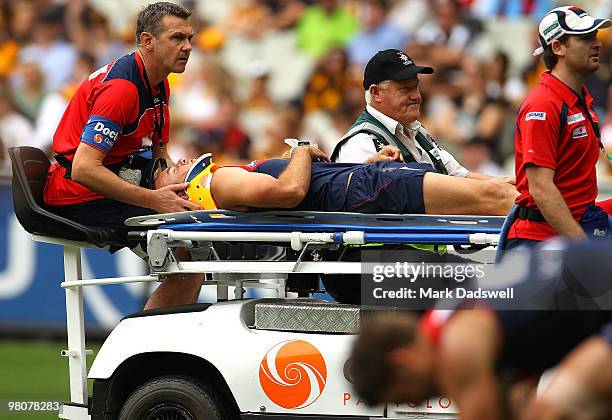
x=557, y=139
x=114, y=129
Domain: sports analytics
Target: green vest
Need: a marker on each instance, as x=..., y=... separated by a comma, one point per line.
x=366, y=123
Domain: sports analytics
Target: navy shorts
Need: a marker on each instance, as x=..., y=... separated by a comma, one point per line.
x=104, y=213
x=387, y=187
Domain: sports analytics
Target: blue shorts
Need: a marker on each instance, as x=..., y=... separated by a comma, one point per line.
x=596, y=222
x=104, y=213
x=387, y=187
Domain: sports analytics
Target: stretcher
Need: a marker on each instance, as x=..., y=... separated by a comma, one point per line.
x=298, y=231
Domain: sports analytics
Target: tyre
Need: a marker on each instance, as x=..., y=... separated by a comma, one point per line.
x=175, y=398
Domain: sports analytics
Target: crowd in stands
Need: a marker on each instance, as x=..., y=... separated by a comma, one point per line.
x=265, y=70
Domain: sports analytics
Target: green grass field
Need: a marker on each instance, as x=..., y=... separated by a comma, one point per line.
x=33, y=371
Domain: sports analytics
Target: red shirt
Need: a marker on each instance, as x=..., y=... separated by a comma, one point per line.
x=432, y=324
x=111, y=111
x=553, y=131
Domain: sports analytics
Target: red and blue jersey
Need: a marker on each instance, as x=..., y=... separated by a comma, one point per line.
x=554, y=130
x=113, y=111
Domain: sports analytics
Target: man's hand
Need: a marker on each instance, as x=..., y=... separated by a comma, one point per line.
x=316, y=155
x=167, y=199
x=387, y=153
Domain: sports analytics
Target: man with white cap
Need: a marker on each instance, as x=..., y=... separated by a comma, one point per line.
x=557, y=138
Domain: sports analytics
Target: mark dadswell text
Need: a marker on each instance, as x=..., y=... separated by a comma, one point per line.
x=447, y=293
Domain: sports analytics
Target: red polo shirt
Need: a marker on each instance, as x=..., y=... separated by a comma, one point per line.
x=553, y=131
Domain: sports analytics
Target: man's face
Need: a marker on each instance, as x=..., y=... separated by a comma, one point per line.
x=173, y=174
x=173, y=46
x=582, y=53
x=401, y=100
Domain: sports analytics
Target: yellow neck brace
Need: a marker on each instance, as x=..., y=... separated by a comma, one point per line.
x=199, y=178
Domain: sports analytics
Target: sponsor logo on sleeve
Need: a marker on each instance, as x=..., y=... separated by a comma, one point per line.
x=536, y=116
x=111, y=134
x=98, y=138
x=579, y=132
x=574, y=118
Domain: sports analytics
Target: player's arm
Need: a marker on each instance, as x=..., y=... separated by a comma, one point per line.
x=235, y=188
x=468, y=350
x=88, y=170
x=550, y=202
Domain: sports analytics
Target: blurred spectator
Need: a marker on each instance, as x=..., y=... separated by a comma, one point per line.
x=249, y=19
x=325, y=128
x=204, y=104
x=54, y=104
x=499, y=85
x=486, y=9
x=471, y=113
x=54, y=56
x=285, y=124
x=285, y=13
x=21, y=17
x=325, y=88
x=441, y=43
x=258, y=95
x=75, y=15
x=476, y=157
x=8, y=54
x=29, y=94
x=324, y=24
x=531, y=73
x=226, y=139
x=377, y=33
x=409, y=15
x=196, y=101
x=15, y=129
x=599, y=82
x=101, y=44
x=258, y=105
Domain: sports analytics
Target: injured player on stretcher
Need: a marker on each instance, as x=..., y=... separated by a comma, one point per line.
x=308, y=181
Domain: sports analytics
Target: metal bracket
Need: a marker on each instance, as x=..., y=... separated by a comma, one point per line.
x=73, y=353
x=158, y=251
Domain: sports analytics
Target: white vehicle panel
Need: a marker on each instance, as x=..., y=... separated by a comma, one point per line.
x=219, y=336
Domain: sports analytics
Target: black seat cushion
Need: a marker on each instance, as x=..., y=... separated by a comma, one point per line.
x=30, y=166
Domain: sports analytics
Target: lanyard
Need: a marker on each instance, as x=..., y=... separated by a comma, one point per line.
x=594, y=125
x=157, y=121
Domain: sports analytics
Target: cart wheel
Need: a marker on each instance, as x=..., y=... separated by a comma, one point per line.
x=175, y=398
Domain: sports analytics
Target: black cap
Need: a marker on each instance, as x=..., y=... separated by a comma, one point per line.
x=391, y=65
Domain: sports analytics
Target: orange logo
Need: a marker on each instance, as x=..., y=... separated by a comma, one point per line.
x=293, y=374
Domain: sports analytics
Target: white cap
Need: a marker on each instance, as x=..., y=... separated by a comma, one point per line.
x=566, y=20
